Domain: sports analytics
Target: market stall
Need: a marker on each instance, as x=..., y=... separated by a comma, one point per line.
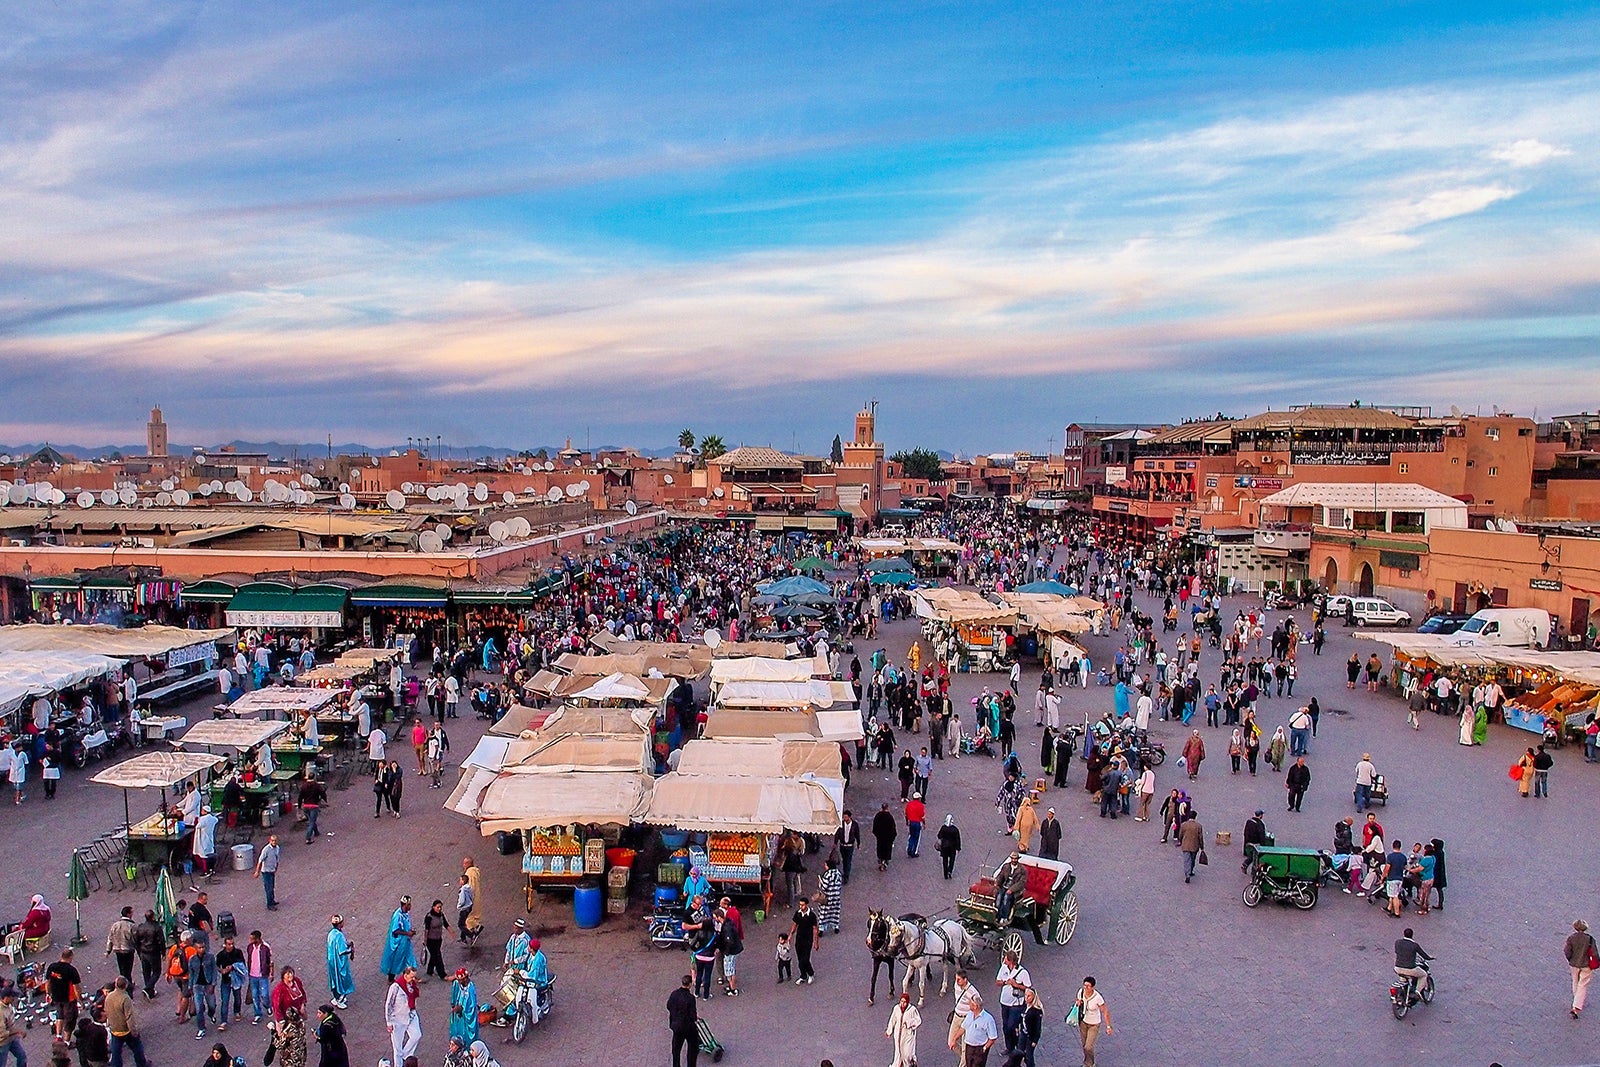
x=252, y=764
x=160, y=838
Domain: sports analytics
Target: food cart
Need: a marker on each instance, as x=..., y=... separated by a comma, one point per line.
x=251, y=763
x=965, y=631
x=160, y=838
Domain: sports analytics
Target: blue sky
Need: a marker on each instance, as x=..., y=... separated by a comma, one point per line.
x=511, y=223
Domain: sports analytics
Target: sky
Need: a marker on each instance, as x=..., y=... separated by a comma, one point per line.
x=513, y=223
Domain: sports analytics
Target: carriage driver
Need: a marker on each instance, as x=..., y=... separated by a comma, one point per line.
x=1011, y=884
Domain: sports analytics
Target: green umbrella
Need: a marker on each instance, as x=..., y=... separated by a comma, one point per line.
x=166, y=906
x=810, y=563
x=77, y=890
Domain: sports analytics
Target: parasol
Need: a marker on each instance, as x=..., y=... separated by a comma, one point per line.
x=166, y=906
x=77, y=890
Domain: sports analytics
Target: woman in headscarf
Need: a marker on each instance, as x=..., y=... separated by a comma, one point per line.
x=832, y=897
x=696, y=885
x=1008, y=801
x=904, y=1021
x=398, y=953
x=341, y=982
x=1236, y=748
x=481, y=1056
x=1480, y=724
x=1027, y=823
x=1194, y=751
x=332, y=1051
x=463, y=1008
x=219, y=1057
x=289, y=1039
x=36, y=924
x=1276, y=748
x=949, y=843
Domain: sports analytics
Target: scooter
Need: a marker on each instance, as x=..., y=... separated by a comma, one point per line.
x=1407, y=991
x=525, y=1003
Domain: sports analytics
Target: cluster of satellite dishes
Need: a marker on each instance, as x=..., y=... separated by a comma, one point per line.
x=529, y=468
x=513, y=529
x=275, y=492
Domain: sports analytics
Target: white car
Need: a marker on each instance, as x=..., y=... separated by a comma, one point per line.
x=1373, y=611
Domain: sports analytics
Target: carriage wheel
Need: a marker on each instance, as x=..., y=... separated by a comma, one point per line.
x=1066, y=919
x=1011, y=941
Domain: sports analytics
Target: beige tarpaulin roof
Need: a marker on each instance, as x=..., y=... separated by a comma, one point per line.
x=143, y=642
x=961, y=606
x=366, y=657
x=696, y=652
x=467, y=796
x=894, y=546
x=582, y=752
x=333, y=672
x=522, y=801
x=153, y=770
x=1440, y=648
x=641, y=664
x=614, y=687
x=764, y=758
x=573, y=720
x=762, y=669
x=1063, y=651
x=281, y=698
x=725, y=802
x=518, y=719
x=795, y=723
x=815, y=693
x=240, y=734
x=567, y=686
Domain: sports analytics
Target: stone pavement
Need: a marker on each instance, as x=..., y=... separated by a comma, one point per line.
x=1190, y=974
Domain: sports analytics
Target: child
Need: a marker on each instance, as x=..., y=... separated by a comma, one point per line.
x=464, y=903
x=784, y=955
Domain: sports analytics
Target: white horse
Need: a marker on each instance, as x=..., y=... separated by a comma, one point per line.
x=919, y=942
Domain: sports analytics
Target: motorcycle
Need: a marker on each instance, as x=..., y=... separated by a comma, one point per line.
x=523, y=1003
x=666, y=924
x=1407, y=991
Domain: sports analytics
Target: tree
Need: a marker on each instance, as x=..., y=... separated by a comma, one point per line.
x=711, y=447
x=920, y=463
x=686, y=439
x=837, y=454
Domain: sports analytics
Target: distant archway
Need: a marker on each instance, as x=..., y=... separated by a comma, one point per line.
x=1330, y=575
x=1364, y=582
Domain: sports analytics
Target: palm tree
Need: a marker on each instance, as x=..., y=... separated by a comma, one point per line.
x=686, y=439
x=711, y=447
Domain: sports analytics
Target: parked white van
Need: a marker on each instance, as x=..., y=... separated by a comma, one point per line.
x=1506, y=626
x=1375, y=611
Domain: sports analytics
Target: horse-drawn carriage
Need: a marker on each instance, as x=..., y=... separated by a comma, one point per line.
x=1047, y=903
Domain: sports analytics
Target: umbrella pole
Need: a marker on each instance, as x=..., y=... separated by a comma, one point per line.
x=77, y=927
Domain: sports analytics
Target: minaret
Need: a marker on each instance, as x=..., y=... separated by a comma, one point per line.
x=155, y=434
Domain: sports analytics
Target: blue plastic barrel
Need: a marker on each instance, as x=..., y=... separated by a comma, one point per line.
x=588, y=905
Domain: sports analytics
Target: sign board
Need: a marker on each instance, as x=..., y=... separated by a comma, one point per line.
x=1340, y=459
x=1265, y=485
x=331, y=620
x=206, y=652
x=1211, y=481
x=1116, y=474
x=1545, y=585
x=1117, y=505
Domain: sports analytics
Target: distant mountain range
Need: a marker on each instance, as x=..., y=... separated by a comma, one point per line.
x=287, y=450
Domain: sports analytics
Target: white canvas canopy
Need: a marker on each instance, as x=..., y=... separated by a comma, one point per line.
x=32, y=674
x=761, y=669
x=238, y=734
x=523, y=721
x=366, y=658
x=741, y=804
x=523, y=801
x=786, y=724
x=762, y=757
x=282, y=699
x=614, y=687
x=585, y=752
x=157, y=770
x=812, y=693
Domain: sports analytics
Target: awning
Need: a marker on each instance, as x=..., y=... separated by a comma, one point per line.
x=144, y=642
x=157, y=770
x=752, y=805
x=397, y=595
x=492, y=596
x=279, y=605
x=31, y=674
x=61, y=583
x=280, y=699
x=209, y=591
x=238, y=734
x=760, y=757
x=524, y=801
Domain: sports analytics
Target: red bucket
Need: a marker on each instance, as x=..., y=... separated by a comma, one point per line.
x=620, y=857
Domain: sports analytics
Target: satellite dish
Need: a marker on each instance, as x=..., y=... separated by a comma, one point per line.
x=344, y=487
x=168, y=484
x=108, y=497
x=480, y=492
x=86, y=500
x=308, y=480
x=667, y=478
x=443, y=530
x=584, y=485
x=180, y=497
x=376, y=462
x=574, y=490
x=146, y=503
x=508, y=497
x=498, y=531
x=719, y=492
x=554, y=494
x=163, y=499
x=42, y=487
x=128, y=495
x=395, y=499
x=522, y=470
x=519, y=527
x=549, y=465
x=244, y=494
x=713, y=638
x=631, y=508
x=428, y=541
x=704, y=501
x=1508, y=526
x=347, y=501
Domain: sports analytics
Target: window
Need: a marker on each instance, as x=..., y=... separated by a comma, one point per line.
x=1472, y=463
x=1525, y=432
x=1405, y=468
x=1494, y=472
x=1492, y=433
x=1454, y=460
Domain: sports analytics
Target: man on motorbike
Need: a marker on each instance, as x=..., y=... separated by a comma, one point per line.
x=517, y=950
x=1410, y=958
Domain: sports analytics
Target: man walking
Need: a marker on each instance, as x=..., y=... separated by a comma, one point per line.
x=1365, y=772
x=1050, y=836
x=1191, y=839
x=916, y=814
x=123, y=1024
x=1542, y=762
x=267, y=871
x=119, y=943
x=1300, y=732
x=1582, y=957
x=978, y=1035
x=683, y=1021
x=1297, y=781
x=848, y=839
x=1013, y=980
x=312, y=797
x=150, y=945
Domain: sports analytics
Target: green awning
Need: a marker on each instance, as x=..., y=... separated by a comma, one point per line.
x=209, y=591
x=62, y=583
x=397, y=595
x=121, y=584
x=270, y=604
